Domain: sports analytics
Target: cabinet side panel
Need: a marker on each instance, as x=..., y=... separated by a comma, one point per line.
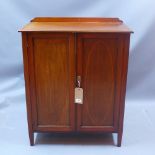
x=124, y=52
x=27, y=86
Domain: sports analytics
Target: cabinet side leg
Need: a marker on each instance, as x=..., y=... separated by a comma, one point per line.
x=119, y=139
x=31, y=137
x=123, y=79
x=27, y=87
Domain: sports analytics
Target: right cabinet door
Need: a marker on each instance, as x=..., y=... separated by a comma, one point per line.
x=99, y=62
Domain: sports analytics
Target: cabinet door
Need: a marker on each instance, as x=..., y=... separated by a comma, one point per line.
x=52, y=73
x=98, y=63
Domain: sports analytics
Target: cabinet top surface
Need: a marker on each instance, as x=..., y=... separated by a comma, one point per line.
x=71, y=24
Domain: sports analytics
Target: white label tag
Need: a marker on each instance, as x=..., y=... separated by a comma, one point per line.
x=79, y=95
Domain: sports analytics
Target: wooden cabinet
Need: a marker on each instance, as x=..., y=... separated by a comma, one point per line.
x=55, y=52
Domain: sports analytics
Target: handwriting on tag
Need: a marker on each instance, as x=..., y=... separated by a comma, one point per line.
x=79, y=95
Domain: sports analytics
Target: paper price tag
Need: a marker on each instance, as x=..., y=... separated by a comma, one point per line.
x=79, y=95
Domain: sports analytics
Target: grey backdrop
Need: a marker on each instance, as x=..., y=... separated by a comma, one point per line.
x=139, y=15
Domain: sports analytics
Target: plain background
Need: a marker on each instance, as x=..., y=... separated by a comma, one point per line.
x=138, y=15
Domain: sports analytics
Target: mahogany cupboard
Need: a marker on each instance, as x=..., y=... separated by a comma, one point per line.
x=61, y=54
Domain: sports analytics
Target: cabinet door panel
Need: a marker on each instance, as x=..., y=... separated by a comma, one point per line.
x=97, y=66
x=53, y=69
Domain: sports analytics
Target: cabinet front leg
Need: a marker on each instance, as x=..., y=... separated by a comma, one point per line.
x=31, y=138
x=119, y=139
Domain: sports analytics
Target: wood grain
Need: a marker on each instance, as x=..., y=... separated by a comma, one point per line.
x=97, y=67
x=75, y=19
x=76, y=25
x=125, y=42
x=53, y=70
x=27, y=88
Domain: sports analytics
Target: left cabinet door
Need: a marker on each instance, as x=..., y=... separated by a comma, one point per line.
x=51, y=72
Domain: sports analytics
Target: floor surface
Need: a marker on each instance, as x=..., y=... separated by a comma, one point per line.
x=138, y=138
